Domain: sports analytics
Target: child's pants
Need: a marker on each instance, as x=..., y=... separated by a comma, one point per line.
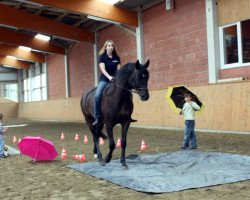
x=2, y=144
x=189, y=134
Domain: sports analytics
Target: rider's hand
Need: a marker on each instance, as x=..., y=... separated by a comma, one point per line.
x=112, y=79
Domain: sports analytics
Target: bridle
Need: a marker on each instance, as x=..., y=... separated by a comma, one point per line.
x=131, y=80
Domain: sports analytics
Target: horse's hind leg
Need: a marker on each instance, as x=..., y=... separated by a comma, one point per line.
x=96, y=142
x=125, y=127
x=109, y=128
x=95, y=130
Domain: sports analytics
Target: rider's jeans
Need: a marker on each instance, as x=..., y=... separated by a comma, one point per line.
x=98, y=98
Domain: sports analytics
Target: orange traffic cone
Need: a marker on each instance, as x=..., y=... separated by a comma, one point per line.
x=119, y=143
x=19, y=140
x=102, y=142
x=75, y=156
x=76, y=137
x=62, y=136
x=64, y=154
x=143, y=145
x=86, y=140
x=14, y=139
x=81, y=158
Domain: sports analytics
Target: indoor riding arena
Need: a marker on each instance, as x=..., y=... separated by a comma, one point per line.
x=50, y=58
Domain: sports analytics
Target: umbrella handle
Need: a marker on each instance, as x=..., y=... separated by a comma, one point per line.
x=37, y=152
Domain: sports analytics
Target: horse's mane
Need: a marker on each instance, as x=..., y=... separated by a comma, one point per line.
x=129, y=67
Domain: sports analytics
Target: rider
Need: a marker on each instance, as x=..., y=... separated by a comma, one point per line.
x=109, y=63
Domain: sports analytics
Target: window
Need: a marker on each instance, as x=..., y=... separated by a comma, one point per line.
x=11, y=91
x=245, y=29
x=231, y=44
x=235, y=45
x=44, y=87
x=26, y=89
x=35, y=83
x=38, y=69
x=36, y=90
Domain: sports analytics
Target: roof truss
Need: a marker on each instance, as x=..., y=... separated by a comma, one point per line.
x=24, y=20
x=14, y=51
x=93, y=8
x=19, y=39
x=4, y=60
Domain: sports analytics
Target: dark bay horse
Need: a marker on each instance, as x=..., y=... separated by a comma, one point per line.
x=117, y=106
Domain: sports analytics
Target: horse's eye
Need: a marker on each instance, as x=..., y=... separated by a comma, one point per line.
x=144, y=76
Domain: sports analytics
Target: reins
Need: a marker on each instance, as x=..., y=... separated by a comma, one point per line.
x=130, y=90
x=115, y=84
x=131, y=78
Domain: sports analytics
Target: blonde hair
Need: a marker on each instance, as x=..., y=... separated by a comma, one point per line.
x=103, y=50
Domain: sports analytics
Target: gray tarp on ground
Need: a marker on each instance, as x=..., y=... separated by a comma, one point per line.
x=170, y=172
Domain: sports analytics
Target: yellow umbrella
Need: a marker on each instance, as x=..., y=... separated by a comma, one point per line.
x=175, y=98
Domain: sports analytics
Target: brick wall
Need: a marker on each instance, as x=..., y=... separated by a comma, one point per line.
x=81, y=68
x=56, y=77
x=175, y=43
x=125, y=43
x=235, y=73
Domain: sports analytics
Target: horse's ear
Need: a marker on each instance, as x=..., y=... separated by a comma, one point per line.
x=137, y=65
x=147, y=64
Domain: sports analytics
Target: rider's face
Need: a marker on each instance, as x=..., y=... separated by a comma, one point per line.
x=110, y=47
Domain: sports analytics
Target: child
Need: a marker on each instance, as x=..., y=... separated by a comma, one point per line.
x=188, y=110
x=2, y=134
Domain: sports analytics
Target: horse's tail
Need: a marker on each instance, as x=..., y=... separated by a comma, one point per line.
x=84, y=101
x=133, y=120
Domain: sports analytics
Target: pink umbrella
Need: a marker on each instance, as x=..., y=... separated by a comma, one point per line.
x=37, y=148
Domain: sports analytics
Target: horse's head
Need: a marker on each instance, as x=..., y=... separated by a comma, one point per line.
x=139, y=80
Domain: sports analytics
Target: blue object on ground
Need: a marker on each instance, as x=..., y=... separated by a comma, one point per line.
x=169, y=172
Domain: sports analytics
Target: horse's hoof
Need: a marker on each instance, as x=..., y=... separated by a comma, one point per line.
x=101, y=163
x=125, y=167
x=95, y=156
x=107, y=160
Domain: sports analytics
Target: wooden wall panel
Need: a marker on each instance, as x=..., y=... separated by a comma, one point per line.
x=8, y=108
x=230, y=11
x=58, y=110
x=227, y=108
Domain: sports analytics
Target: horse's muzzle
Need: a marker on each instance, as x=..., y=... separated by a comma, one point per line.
x=144, y=95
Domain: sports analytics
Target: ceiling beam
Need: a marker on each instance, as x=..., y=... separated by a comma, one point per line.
x=18, y=6
x=39, y=11
x=24, y=20
x=19, y=39
x=94, y=8
x=4, y=60
x=14, y=51
x=80, y=21
x=58, y=19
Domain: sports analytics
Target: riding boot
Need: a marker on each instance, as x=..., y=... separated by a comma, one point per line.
x=97, y=121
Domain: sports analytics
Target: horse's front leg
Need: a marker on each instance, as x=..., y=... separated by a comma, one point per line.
x=109, y=128
x=125, y=127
